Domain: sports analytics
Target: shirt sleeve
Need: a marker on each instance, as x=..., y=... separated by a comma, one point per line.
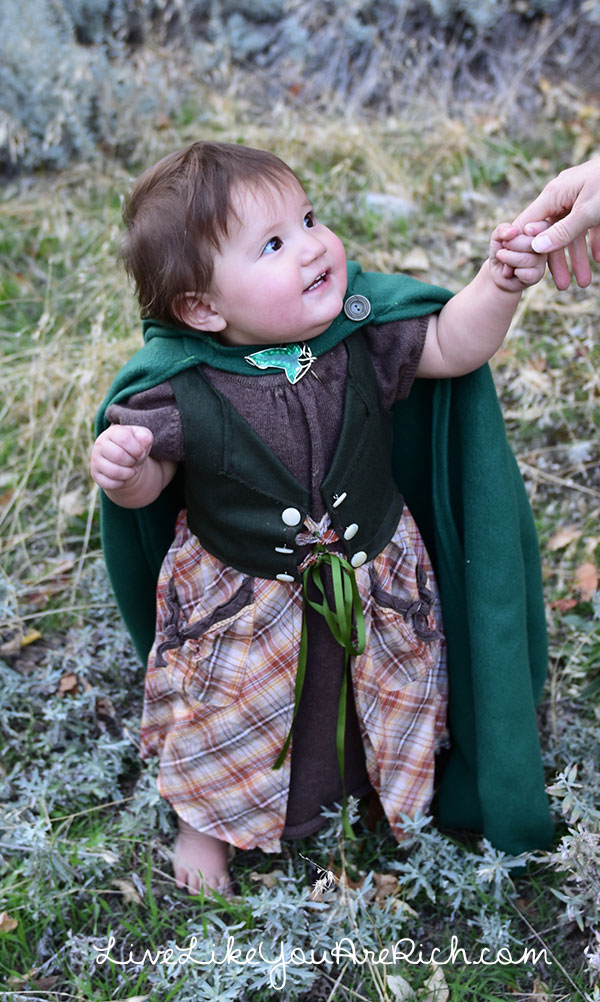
x=154, y=409
x=396, y=350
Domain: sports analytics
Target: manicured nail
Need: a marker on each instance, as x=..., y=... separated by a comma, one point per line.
x=541, y=243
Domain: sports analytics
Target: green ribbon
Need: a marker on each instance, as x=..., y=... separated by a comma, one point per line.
x=347, y=624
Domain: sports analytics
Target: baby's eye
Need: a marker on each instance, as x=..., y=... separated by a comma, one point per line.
x=309, y=220
x=272, y=245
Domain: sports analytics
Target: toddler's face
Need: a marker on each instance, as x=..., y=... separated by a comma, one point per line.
x=280, y=275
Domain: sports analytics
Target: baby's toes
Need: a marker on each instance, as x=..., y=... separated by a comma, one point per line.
x=182, y=877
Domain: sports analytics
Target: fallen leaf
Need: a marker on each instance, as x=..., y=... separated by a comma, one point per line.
x=539, y=362
x=540, y=991
x=72, y=503
x=107, y=717
x=7, y=922
x=492, y=125
x=435, y=988
x=12, y=646
x=590, y=545
x=19, y=980
x=535, y=381
x=268, y=880
x=45, y=984
x=582, y=144
x=60, y=567
x=586, y=580
x=524, y=904
x=38, y=598
x=347, y=881
x=561, y=538
x=18, y=641
x=400, y=988
x=108, y=856
x=7, y=497
x=415, y=260
x=68, y=683
x=130, y=895
x=387, y=885
x=564, y=604
x=30, y=637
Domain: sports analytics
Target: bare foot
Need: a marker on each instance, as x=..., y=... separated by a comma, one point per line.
x=200, y=861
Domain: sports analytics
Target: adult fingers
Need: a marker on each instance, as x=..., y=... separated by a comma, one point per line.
x=562, y=233
x=575, y=191
x=580, y=263
x=559, y=269
x=542, y=206
x=578, y=255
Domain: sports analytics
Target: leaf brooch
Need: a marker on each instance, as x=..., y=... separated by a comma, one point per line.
x=295, y=359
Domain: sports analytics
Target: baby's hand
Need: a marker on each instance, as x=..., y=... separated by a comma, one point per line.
x=513, y=264
x=118, y=455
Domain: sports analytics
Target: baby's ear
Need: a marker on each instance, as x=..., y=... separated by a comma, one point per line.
x=196, y=312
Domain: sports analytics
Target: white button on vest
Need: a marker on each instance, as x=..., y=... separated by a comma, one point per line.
x=291, y=516
x=351, y=531
x=358, y=559
x=284, y=577
x=338, y=498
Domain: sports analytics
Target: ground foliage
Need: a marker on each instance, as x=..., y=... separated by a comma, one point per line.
x=80, y=79
x=83, y=836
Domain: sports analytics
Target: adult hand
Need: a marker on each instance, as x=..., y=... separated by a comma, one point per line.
x=571, y=203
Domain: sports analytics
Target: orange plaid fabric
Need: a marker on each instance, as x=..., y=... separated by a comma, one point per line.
x=220, y=682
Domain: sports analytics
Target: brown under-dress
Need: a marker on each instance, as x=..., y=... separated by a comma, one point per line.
x=301, y=424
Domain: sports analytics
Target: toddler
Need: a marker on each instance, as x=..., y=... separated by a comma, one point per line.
x=298, y=621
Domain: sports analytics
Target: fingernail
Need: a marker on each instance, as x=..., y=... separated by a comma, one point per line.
x=541, y=243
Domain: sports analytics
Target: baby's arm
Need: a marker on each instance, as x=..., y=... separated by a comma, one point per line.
x=122, y=466
x=472, y=325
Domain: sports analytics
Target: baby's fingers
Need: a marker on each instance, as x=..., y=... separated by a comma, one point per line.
x=515, y=258
x=520, y=242
x=132, y=442
x=504, y=231
x=118, y=453
x=529, y=276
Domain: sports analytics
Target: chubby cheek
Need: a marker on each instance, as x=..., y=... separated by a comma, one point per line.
x=338, y=256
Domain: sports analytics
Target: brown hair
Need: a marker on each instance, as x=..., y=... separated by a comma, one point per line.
x=177, y=213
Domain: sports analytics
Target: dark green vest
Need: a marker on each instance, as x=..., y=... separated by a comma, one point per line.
x=246, y=508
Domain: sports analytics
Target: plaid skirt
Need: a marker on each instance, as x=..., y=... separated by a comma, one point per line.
x=219, y=693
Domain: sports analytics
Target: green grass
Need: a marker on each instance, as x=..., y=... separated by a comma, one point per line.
x=83, y=837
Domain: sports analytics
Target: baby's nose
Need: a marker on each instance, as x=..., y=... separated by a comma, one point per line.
x=312, y=248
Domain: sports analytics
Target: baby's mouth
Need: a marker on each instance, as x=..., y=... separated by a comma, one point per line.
x=317, y=282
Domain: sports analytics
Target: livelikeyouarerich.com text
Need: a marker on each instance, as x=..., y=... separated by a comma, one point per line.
x=403, y=951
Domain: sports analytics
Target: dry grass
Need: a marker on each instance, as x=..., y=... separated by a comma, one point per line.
x=69, y=319
x=68, y=322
